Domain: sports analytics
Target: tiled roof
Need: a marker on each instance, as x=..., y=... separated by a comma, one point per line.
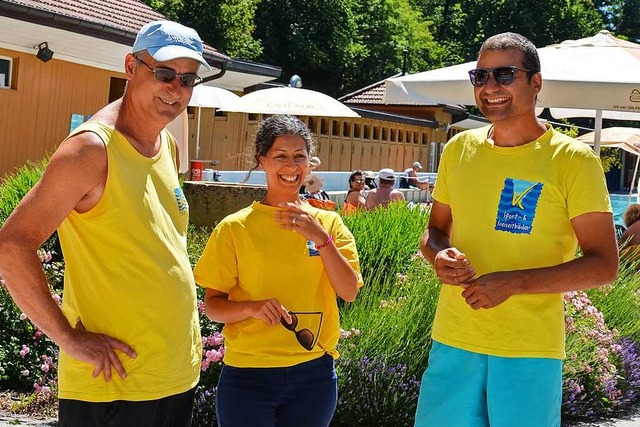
x=372, y=94
x=125, y=17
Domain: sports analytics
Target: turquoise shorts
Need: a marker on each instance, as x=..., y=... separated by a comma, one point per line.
x=465, y=389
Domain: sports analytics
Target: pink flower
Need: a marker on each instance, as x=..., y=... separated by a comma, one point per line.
x=25, y=350
x=23, y=316
x=201, y=308
x=56, y=298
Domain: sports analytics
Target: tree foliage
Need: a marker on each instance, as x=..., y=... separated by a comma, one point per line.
x=227, y=25
x=462, y=25
x=337, y=46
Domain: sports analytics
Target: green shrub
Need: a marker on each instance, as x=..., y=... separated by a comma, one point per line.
x=15, y=186
x=28, y=358
x=386, y=240
x=620, y=302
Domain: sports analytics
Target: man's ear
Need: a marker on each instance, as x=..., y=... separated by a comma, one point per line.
x=130, y=63
x=536, y=81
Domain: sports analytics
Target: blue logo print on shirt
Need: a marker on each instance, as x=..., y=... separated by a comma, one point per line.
x=311, y=245
x=183, y=206
x=517, y=208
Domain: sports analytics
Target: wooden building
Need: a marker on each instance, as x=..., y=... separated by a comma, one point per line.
x=60, y=62
x=384, y=136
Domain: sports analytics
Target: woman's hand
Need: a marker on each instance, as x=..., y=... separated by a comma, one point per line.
x=291, y=217
x=270, y=311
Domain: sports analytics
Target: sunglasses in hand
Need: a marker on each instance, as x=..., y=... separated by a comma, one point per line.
x=305, y=337
x=502, y=75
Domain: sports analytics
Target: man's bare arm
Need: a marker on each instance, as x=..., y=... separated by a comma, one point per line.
x=597, y=266
x=74, y=179
x=452, y=266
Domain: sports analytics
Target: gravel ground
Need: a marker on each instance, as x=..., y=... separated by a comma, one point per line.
x=630, y=420
x=21, y=420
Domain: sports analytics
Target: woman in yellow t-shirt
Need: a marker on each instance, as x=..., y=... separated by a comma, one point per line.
x=273, y=271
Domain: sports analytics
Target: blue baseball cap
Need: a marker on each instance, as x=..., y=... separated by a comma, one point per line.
x=167, y=40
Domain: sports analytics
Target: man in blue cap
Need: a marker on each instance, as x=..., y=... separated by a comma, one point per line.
x=128, y=327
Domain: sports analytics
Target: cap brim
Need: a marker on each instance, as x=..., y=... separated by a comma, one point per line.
x=169, y=53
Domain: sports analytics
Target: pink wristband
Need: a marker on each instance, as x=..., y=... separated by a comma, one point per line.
x=325, y=244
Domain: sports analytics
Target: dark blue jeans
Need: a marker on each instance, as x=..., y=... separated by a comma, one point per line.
x=300, y=395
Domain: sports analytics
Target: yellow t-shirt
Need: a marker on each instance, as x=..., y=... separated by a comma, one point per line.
x=511, y=210
x=250, y=257
x=128, y=276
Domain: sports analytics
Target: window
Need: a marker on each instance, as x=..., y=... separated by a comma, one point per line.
x=6, y=65
x=335, y=131
x=324, y=125
x=356, y=131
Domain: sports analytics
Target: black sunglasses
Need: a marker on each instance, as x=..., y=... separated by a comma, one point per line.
x=305, y=337
x=503, y=75
x=166, y=75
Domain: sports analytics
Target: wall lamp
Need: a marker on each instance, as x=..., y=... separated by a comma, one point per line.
x=44, y=53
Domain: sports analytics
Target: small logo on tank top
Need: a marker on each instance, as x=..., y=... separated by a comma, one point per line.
x=183, y=206
x=517, y=208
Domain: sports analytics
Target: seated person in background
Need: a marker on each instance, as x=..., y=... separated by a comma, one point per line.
x=315, y=195
x=314, y=164
x=385, y=193
x=411, y=180
x=369, y=180
x=630, y=239
x=355, y=196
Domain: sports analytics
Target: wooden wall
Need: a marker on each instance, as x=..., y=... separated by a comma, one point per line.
x=35, y=114
x=342, y=144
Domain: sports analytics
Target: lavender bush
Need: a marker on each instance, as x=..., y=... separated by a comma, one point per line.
x=374, y=393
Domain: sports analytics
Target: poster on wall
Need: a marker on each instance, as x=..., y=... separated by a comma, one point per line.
x=76, y=120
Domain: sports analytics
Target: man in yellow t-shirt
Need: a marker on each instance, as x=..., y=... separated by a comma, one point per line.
x=513, y=202
x=129, y=302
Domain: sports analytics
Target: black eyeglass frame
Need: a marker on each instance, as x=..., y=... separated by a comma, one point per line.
x=499, y=74
x=170, y=75
x=302, y=332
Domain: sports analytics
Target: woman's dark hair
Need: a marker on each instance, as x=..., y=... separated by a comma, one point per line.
x=353, y=175
x=271, y=128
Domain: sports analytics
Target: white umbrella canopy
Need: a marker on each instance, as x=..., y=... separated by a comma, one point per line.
x=211, y=97
x=597, y=73
x=627, y=139
x=289, y=100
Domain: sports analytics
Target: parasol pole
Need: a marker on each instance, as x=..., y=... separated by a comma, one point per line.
x=633, y=180
x=597, y=130
x=198, y=135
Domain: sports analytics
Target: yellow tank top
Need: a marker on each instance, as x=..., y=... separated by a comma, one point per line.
x=128, y=276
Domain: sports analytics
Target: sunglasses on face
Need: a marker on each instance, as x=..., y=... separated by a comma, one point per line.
x=166, y=75
x=305, y=337
x=503, y=75
x=359, y=181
